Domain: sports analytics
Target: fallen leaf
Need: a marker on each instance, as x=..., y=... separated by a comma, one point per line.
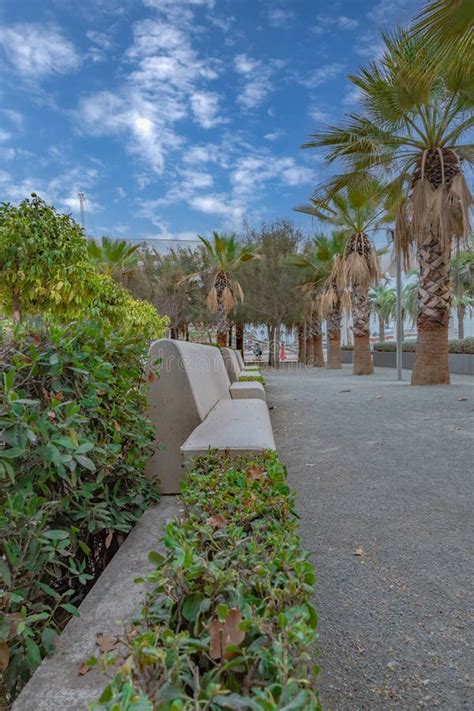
x=51, y=415
x=462, y=399
x=151, y=377
x=225, y=634
x=100, y=391
x=379, y=397
x=255, y=472
x=217, y=521
x=117, y=426
x=84, y=668
x=358, y=551
x=108, y=540
x=346, y=390
x=4, y=656
x=392, y=666
x=106, y=643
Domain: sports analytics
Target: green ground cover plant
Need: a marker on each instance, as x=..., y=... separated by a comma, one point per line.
x=227, y=622
x=250, y=378
x=73, y=445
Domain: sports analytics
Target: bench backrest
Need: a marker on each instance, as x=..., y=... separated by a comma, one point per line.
x=231, y=363
x=240, y=359
x=192, y=379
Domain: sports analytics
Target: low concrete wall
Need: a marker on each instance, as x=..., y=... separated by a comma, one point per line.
x=459, y=363
x=347, y=356
x=111, y=603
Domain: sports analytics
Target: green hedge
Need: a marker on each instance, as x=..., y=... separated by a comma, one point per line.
x=227, y=623
x=463, y=345
x=73, y=446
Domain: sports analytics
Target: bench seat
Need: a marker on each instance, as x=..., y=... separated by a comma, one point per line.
x=247, y=389
x=242, y=426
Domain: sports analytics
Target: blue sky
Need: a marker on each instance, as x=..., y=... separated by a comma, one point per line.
x=177, y=117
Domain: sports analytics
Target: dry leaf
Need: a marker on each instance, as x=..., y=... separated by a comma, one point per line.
x=151, y=377
x=255, y=472
x=100, y=391
x=358, y=551
x=4, y=656
x=224, y=634
x=217, y=521
x=84, y=668
x=51, y=415
x=109, y=539
x=346, y=390
x=117, y=426
x=106, y=643
x=462, y=399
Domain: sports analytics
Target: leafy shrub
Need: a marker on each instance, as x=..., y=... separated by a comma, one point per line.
x=73, y=446
x=227, y=623
x=250, y=378
x=463, y=345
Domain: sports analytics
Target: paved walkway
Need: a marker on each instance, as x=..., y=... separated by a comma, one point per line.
x=383, y=475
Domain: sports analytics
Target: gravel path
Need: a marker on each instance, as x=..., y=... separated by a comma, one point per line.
x=383, y=474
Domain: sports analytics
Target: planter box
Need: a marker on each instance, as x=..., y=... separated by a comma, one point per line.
x=347, y=356
x=459, y=363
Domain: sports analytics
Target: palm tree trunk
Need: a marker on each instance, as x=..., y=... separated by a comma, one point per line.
x=309, y=350
x=318, y=355
x=221, y=323
x=361, y=329
x=231, y=326
x=381, y=328
x=434, y=300
x=301, y=343
x=274, y=347
x=271, y=338
x=239, y=337
x=334, y=339
x=461, y=312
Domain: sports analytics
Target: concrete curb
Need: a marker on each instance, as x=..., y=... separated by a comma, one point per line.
x=56, y=684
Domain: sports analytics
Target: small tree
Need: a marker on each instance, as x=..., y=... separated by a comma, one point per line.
x=382, y=302
x=43, y=260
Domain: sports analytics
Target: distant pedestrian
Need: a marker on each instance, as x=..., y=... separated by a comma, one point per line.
x=257, y=351
x=282, y=355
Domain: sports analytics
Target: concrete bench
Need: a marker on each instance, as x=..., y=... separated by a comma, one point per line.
x=234, y=367
x=191, y=407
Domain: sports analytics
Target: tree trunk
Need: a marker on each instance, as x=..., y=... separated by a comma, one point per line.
x=274, y=345
x=361, y=329
x=309, y=350
x=381, y=329
x=221, y=324
x=318, y=355
x=434, y=301
x=271, y=338
x=231, y=328
x=334, y=339
x=16, y=307
x=239, y=337
x=301, y=343
x=461, y=312
x=186, y=332
x=173, y=333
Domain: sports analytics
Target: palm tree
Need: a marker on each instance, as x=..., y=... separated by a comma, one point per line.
x=354, y=212
x=447, y=27
x=412, y=127
x=115, y=257
x=319, y=264
x=223, y=257
x=382, y=301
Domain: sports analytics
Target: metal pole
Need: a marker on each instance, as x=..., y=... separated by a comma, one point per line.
x=399, y=315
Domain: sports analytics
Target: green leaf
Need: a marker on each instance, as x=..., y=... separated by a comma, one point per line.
x=12, y=453
x=49, y=637
x=85, y=462
x=71, y=609
x=56, y=535
x=191, y=605
x=155, y=558
x=5, y=573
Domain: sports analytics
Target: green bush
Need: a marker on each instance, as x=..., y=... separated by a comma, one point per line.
x=227, y=622
x=463, y=345
x=73, y=446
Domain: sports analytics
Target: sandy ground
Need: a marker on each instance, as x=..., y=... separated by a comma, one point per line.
x=383, y=474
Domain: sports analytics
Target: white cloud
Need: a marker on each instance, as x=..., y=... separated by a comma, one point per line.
x=101, y=44
x=273, y=135
x=4, y=135
x=37, y=50
x=252, y=171
x=337, y=22
x=219, y=205
x=318, y=115
x=352, y=97
x=14, y=117
x=256, y=84
x=205, y=106
x=388, y=12
x=278, y=17
x=322, y=74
